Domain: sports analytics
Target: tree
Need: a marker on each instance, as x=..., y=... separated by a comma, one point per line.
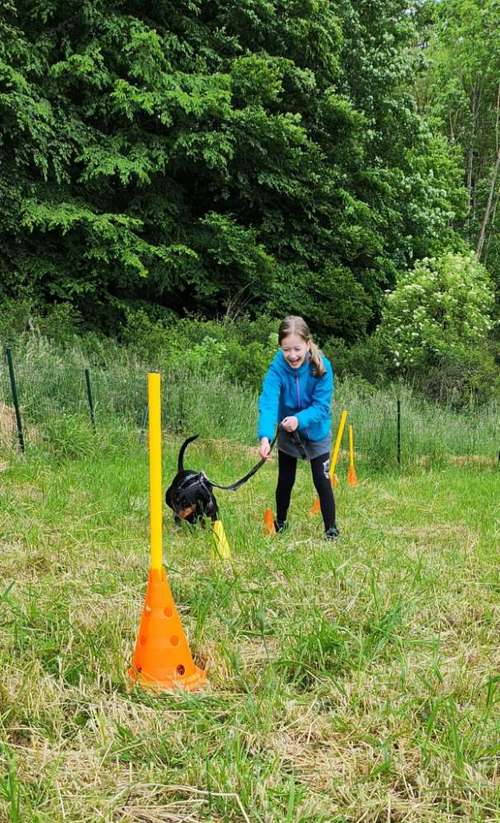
x=199, y=154
x=460, y=90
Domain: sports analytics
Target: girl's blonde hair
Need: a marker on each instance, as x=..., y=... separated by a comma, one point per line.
x=297, y=325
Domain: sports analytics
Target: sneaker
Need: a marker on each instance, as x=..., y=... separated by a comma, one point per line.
x=280, y=526
x=332, y=533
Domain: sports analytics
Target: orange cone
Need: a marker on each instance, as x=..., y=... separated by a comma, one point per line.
x=162, y=657
x=269, y=522
x=316, y=507
x=352, y=478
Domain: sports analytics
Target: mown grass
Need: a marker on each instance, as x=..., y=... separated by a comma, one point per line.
x=349, y=682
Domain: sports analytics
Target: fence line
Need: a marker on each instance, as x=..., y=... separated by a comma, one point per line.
x=51, y=386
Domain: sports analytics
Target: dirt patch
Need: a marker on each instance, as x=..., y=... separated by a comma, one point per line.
x=473, y=460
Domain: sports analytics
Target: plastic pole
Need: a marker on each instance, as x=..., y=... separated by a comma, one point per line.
x=155, y=491
x=336, y=448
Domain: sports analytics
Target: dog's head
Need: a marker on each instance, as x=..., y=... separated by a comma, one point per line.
x=190, y=497
x=190, y=494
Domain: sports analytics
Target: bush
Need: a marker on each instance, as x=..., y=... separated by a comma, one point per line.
x=367, y=358
x=241, y=350
x=462, y=379
x=437, y=310
x=58, y=322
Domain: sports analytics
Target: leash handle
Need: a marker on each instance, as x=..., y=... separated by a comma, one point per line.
x=298, y=442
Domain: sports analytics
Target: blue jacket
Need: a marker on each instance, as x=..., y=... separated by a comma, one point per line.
x=288, y=392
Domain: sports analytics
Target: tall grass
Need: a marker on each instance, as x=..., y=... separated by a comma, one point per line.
x=352, y=682
x=53, y=401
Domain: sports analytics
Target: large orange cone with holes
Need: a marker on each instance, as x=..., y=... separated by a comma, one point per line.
x=269, y=522
x=162, y=658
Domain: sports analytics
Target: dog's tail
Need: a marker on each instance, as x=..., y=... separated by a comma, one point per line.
x=180, y=459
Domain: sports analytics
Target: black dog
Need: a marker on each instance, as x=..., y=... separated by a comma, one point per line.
x=191, y=496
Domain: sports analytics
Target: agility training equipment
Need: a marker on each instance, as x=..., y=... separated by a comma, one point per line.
x=162, y=658
x=269, y=526
x=315, y=508
x=336, y=448
x=222, y=549
x=352, y=478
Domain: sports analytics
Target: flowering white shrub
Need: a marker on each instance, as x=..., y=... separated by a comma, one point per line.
x=442, y=305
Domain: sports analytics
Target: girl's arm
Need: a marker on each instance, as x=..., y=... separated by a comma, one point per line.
x=269, y=403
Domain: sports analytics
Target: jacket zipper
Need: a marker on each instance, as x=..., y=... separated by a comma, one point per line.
x=297, y=389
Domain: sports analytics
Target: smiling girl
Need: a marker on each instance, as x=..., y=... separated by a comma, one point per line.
x=297, y=393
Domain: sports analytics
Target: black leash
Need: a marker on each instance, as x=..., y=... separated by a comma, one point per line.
x=233, y=486
x=298, y=442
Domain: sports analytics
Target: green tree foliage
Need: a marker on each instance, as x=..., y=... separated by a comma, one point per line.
x=205, y=155
x=443, y=305
x=459, y=89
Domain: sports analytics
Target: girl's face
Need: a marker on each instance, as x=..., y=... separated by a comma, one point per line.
x=295, y=349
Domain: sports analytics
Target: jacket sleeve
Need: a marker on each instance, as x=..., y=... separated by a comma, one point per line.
x=269, y=403
x=321, y=404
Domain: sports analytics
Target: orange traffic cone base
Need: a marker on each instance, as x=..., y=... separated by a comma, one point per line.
x=189, y=684
x=269, y=522
x=162, y=658
x=315, y=508
x=352, y=478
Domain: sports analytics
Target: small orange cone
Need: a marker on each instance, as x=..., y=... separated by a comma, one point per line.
x=316, y=507
x=269, y=522
x=162, y=657
x=352, y=479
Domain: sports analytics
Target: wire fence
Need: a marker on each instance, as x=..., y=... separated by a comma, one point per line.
x=43, y=388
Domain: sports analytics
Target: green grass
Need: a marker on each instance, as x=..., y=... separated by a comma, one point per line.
x=349, y=682
x=53, y=400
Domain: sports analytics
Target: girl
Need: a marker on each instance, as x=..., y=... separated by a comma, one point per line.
x=297, y=392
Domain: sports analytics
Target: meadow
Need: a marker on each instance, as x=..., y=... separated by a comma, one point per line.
x=347, y=682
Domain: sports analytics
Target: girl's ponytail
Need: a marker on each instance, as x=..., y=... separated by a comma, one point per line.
x=316, y=361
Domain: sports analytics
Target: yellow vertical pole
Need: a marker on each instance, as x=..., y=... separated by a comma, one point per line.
x=336, y=448
x=222, y=549
x=155, y=491
x=351, y=447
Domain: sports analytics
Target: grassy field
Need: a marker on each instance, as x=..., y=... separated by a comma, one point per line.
x=349, y=682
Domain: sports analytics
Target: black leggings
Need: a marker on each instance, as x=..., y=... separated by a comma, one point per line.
x=286, y=478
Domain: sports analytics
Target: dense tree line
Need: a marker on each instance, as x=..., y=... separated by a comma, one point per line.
x=208, y=156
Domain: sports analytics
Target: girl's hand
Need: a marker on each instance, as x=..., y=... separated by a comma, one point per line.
x=265, y=448
x=290, y=424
